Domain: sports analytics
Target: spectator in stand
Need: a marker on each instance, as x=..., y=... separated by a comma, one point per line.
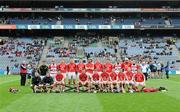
x=23, y=72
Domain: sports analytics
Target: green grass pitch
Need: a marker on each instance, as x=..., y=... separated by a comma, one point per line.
x=26, y=101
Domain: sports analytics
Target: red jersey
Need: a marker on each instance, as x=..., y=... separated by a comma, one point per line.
x=126, y=65
x=135, y=67
x=113, y=76
x=121, y=76
x=105, y=76
x=83, y=77
x=139, y=77
x=53, y=69
x=23, y=68
x=129, y=75
x=150, y=89
x=80, y=67
x=117, y=67
x=59, y=77
x=71, y=67
x=62, y=67
x=98, y=66
x=90, y=67
x=108, y=67
x=95, y=77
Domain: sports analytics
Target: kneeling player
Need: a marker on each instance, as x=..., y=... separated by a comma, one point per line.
x=121, y=80
x=83, y=81
x=114, y=81
x=139, y=79
x=47, y=83
x=95, y=81
x=104, y=81
x=129, y=80
x=59, y=84
x=36, y=83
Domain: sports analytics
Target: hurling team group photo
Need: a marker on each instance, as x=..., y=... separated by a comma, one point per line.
x=89, y=55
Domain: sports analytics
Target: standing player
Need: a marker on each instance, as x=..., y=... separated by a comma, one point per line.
x=80, y=67
x=117, y=67
x=134, y=67
x=113, y=81
x=139, y=79
x=104, y=80
x=43, y=69
x=71, y=67
x=62, y=67
x=98, y=66
x=108, y=66
x=126, y=64
x=53, y=68
x=83, y=81
x=59, y=84
x=89, y=68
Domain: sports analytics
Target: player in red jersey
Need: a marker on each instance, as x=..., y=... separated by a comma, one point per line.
x=98, y=66
x=108, y=66
x=53, y=68
x=134, y=67
x=83, y=81
x=80, y=67
x=113, y=81
x=139, y=80
x=117, y=67
x=121, y=80
x=104, y=80
x=89, y=68
x=95, y=82
x=71, y=67
x=129, y=79
x=62, y=67
x=126, y=64
x=59, y=84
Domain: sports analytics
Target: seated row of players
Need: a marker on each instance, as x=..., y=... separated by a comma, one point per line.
x=93, y=77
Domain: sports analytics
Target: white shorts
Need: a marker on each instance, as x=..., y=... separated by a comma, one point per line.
x=78, y=74
x=53, y=76
x=113, y=82
x=121, y=82
x=89, y=74
x=64, y=74
x=71, y=75
x=99, y=73
x=129, y=82
x=42, y=77
x=104, y=82
x=117, y=72
x=94, y=82
x=139, y=83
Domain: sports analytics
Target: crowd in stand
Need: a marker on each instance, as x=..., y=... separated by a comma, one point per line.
x=14, y=49
x=112, y=19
